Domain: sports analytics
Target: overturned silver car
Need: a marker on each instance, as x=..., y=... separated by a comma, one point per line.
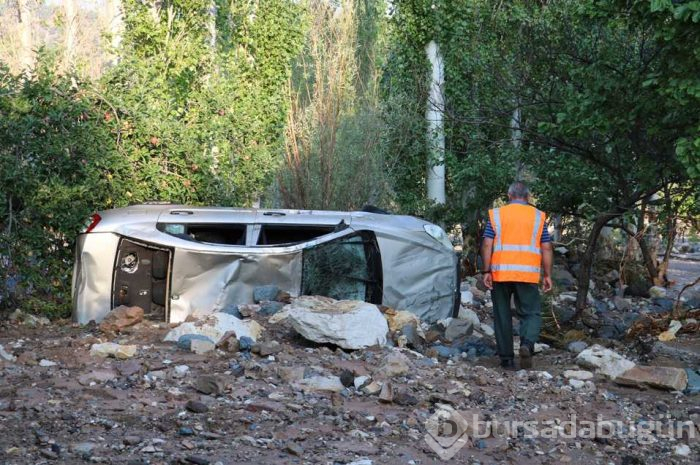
x=176, y=261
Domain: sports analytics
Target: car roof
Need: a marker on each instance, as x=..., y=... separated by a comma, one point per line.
x=175, y=213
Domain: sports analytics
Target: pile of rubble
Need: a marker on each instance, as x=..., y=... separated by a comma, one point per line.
x=313, y=380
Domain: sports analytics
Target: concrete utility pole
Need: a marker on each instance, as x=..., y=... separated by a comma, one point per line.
x=26, y=53
x=436, y=126
x=114, y=25
x=70, y=9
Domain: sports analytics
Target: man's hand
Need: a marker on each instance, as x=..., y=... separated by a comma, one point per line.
x=488, y=281
x=547, y=284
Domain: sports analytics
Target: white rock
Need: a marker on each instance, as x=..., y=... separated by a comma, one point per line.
x=469, y=315
x=657, y=291
x=346, y=323
x=561, y=250
x=201, y=347
x=319, y=383
x=110, y=349
x=47, y=363
x=360, y=380
x=576, y=383
x=466, y=298
x=214, y=326
x=541, y=347
x=682, y=449
x=604, y=361
x=4, y=355
x=360, y=462
x=582, y=375
x=181, y=371
x=487, y=330
x=545, y=375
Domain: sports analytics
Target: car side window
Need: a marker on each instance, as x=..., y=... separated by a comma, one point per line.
x=347, y=268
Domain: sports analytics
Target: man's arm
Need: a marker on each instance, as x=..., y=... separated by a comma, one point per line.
x=547, y=258
x=486, y=251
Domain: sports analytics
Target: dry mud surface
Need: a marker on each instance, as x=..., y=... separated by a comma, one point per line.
x=86, y=409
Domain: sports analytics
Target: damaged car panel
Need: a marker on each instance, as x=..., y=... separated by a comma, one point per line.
x=177, y=261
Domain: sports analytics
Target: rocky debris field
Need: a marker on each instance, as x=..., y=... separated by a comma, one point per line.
x=313, y=380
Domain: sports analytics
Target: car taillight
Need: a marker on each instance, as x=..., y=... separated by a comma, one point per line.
x=92, y=222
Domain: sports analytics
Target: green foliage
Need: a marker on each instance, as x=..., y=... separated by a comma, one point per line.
x=203, y=116
x=335, y=149
x=58, y=163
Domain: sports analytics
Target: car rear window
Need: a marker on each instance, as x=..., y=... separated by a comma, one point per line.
x=276, y=234
x=227, y=234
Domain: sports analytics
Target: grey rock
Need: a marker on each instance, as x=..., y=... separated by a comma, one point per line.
x=458, y=328
x=270, y=308
x=232, y=310
x=210, y=385
x=185, y=341
x=693, y=381
x=577, y=346
x=622, y=304
x=245, y=344
x=347, y=378
x=563, y=278
x=661, y=304
x=265, y=293
x=195, y=406
x=267, y=348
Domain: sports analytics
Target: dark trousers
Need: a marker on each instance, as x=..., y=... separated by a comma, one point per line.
x=528, y=309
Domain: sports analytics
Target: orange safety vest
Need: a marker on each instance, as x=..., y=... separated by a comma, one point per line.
x=517, y=255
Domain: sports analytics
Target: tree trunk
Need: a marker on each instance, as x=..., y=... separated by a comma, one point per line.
x=26, y=53
x=584, y=275
x=70, y=39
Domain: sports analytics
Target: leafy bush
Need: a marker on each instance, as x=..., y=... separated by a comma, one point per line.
x=58, y=164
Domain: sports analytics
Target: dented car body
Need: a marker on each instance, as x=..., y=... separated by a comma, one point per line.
x=175, y=261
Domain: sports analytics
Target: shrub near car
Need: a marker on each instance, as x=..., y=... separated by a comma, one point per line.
x=177, y=261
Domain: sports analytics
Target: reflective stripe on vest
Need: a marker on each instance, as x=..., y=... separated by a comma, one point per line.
x=525, y=268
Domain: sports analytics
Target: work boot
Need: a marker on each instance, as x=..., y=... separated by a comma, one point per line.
x=508, y=364
x=525, y=357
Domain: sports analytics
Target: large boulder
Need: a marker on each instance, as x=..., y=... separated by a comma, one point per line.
x=348, y=324
x=120, y=318
x=604, y=361
x=215, y=327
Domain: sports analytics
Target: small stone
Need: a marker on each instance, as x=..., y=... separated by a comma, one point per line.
x=682, y=450
x=270, y=308
x=577, y=346
x=457, y=329
x=405, y=399
x=201, y=347
x=210, y=385
x=372, y=388
x=49, y=454
x=195, y=406
x=185, y=431
x=47, y=363
x=233, y=311
x=294, y=449
x=347, y=378
x=268, y=348
x=245, y=344
x=360, y=381
x=236, y=368
x=337, y=399
x=132, y=440
x=387, y=393
x=582, y=375
x=394, y=364
x=185, y=341
x=670, y=378
x=576, y=383
x=120, y=318
x=110, y=349
x=657, y=291
x=180, y=371
x=197, y=460
x=265, y=293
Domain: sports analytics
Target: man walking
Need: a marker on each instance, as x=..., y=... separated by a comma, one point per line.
x=516, y=248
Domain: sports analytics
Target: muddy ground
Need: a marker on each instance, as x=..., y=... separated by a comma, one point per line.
x=59, y=404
